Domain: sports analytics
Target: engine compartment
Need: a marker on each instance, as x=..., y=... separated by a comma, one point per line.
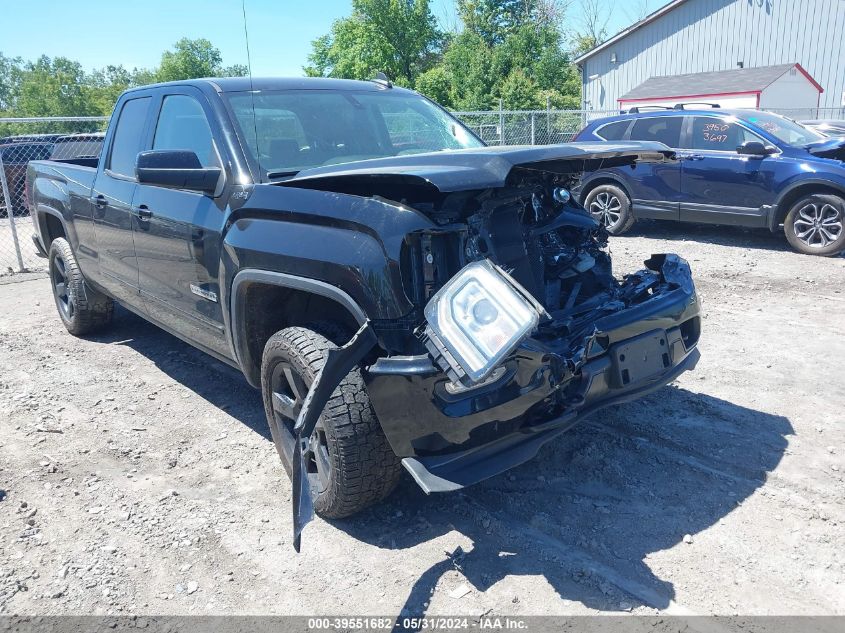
x=546, y=241
x=533, y=229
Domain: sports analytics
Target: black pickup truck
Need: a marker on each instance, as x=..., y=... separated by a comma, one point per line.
x=401, y=294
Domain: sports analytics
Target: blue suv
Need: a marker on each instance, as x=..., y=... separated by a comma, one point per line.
x=737, y=167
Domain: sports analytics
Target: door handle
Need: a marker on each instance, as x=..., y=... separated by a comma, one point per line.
x=143, y=212
x=100, y=203
x=692, y=157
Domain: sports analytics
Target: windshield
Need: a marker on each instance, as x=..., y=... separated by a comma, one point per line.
x=298, y=129
x=782, y=128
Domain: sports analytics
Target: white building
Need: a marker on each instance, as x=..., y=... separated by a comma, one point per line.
x=688, y=37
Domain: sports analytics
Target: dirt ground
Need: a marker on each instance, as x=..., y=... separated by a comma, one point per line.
x=137, y=475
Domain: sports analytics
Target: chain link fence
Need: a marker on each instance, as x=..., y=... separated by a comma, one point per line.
x=23, y=140
x=546, y=127
x=529, y=127
x=811, y=114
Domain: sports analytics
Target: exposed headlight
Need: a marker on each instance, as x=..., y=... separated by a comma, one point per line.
x=561, y=195
x=477, y=319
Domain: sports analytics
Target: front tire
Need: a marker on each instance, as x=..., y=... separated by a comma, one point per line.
x=814, y=225
x=82, y=309
x=349, y=462
x=610, y=206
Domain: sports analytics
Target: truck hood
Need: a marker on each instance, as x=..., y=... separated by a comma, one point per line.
x=472, y=169
x=829, y=148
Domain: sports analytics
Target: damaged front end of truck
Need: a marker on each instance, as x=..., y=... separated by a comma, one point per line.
x=519, y=327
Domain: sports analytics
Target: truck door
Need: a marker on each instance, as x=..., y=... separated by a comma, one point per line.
x=177, y=233
x=111, y=198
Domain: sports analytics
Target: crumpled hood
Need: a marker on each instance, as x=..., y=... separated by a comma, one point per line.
x=479, y=168
x=829, y=148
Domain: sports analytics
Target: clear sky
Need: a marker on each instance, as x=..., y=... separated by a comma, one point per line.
x=135, y=32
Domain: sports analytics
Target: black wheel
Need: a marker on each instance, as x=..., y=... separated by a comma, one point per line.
x=349, y=463
x=611, y=206
x=82, y=309
x=814, y=225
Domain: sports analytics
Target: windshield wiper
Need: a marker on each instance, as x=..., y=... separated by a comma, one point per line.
x=282, y=174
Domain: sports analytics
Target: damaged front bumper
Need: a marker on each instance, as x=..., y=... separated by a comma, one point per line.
x=450, y=435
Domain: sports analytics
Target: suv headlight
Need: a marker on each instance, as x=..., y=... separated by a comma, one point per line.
x=477, y=319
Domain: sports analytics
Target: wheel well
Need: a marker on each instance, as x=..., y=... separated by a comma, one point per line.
x=267, y=308
x=604, y=180
x=785, y=204
x=52, y=228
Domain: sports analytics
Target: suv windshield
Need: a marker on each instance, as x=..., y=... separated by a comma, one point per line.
x=782, y=128
x=298, y=129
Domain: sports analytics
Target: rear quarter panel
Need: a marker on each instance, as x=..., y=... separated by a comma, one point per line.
x=63, y=191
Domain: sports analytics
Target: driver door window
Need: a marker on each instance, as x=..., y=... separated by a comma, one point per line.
x=182, y=125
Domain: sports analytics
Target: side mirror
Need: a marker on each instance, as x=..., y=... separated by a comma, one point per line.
x=756, y=148
x=176, y=169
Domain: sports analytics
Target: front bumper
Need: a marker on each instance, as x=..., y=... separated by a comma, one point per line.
x=449, y=439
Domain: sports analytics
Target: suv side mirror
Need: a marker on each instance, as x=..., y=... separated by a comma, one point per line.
x=756, y=148
x=176, y=169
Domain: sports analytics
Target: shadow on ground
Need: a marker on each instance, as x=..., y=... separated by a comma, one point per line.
x=218, y=383
x=596, y=502
x=585, y=514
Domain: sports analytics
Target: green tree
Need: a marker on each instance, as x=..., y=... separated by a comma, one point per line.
x=192, y=59
x=54, y=87
x=235, y=70
x=106, y=84
x=520, y=92
x=495, y=20
x=468, y=63
x=10, y=73
x=189, y=59
x=436, y=84
x=397, y=37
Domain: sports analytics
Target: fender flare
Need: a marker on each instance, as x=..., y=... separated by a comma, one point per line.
x=779, y=212
x=236, y=304
x=41, y=210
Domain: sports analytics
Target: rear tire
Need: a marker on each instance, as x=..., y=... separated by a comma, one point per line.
x=350, y=464
x=610, y=205
x=82, y=309
x=815, y=225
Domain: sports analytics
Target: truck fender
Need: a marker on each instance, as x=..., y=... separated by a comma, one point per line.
x=236, y=314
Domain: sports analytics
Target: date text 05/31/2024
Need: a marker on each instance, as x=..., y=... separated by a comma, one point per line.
x=416, y=623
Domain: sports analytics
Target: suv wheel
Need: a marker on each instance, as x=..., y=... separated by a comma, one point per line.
x=611, y=206
x=81, y=308
x=814, y=225
x=349, y=462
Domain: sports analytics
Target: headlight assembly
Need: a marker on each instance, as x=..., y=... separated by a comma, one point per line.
x=477, y=319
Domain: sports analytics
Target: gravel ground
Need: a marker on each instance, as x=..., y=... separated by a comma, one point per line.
x=138, y=475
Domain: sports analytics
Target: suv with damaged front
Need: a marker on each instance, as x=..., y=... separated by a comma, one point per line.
x=401, y=294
